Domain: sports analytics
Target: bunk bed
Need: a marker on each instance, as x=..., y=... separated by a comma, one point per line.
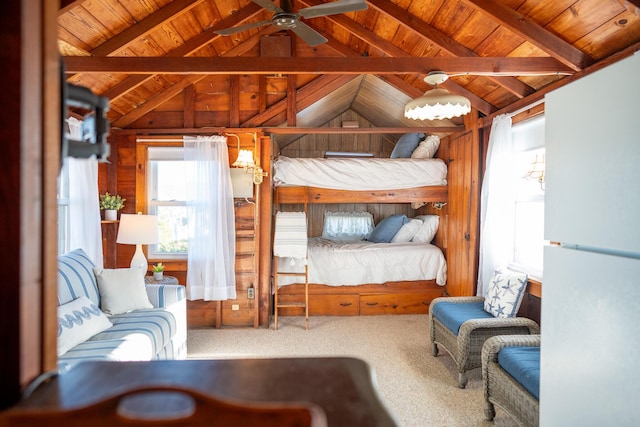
x=363, y=181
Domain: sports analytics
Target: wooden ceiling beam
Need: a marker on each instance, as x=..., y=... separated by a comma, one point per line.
x=131, y=34
x=162, y=97
x=307, y=95
x=299, y=65
x=394, y=51
x=446, y=43
x=189, y=47
x=533, y=33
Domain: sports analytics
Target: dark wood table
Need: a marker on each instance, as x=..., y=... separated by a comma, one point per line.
x=341, y=386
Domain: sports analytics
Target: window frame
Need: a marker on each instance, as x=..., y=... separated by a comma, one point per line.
x=142, y=190
x=517, y=198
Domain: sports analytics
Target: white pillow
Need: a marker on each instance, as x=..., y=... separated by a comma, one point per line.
x=428, y=230
x=121, y=290
x=505, y=293
x=79, y=320
x=427, y=148
x=407, y=231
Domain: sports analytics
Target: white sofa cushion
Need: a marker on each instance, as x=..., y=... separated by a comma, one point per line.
x=121, y=290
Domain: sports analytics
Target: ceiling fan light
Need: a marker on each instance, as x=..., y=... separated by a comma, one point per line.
x=437, y=104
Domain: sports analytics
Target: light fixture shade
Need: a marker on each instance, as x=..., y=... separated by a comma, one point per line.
x=137, y=229
x=437, y=104
x=245, y=159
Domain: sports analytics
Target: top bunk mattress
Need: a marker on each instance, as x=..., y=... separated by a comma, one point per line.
x=359, y=174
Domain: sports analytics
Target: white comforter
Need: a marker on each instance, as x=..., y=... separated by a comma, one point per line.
x=359, y=174
x=355, y=263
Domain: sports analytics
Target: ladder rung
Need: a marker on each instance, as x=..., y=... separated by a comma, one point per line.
x=291, y=274
x=291, y=304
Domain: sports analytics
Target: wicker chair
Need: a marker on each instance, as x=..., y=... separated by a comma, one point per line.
x=465, y=347
x=501, y=389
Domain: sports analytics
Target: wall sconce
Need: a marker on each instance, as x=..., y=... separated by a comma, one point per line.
x=245, y=160
x=536, y=170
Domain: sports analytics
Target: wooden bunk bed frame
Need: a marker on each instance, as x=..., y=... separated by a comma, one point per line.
x=406, y=297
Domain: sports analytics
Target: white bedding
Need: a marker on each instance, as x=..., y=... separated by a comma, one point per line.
x=359, y=174
x=355, y=263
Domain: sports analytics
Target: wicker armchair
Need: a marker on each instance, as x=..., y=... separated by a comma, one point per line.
x=466, y=347
x=501, y=389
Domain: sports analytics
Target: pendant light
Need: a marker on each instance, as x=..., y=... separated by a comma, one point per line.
x=437, y=104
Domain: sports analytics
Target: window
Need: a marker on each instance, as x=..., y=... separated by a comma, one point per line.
x=528, y=162
x=166, y=192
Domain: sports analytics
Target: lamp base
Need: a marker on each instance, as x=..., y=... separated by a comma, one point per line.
x=139, y=261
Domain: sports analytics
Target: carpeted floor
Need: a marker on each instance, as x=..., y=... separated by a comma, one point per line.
x=418, y=389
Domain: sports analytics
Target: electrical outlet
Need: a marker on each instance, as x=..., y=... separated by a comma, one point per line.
x=235, y=307
x=250, y=293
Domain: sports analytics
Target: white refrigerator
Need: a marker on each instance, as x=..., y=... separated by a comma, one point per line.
x=590, y=314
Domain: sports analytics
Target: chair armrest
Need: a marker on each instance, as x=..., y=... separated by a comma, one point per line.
x=163, y=296
x=493, y=345
x=497, y=322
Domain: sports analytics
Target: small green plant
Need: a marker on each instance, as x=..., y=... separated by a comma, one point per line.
x=158, y=268
x=111, y=202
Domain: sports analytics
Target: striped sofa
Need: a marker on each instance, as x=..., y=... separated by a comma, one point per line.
x=157, y=333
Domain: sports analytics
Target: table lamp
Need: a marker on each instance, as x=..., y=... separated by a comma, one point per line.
x=138, y=230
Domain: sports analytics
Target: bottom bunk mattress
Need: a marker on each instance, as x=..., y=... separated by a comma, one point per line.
x=350, y=263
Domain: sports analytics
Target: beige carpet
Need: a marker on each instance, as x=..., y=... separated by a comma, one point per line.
x=418, y=389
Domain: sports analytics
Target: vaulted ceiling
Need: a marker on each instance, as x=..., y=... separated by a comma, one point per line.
x=163, y=66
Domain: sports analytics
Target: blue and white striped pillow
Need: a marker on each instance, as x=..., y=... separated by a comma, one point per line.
x=78, y=321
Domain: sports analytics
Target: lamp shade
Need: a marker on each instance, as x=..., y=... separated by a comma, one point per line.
x=245, y=159
x=138, y=229
x=437, y=104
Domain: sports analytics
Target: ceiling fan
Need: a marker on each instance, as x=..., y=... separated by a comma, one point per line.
x=285, y=19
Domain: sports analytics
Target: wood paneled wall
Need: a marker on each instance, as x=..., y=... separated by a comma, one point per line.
x=126, y=176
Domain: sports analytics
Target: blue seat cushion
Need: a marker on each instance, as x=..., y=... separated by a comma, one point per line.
x=523, y=364
x=452, y=315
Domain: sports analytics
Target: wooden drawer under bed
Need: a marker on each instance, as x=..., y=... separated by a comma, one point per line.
x=388, y=298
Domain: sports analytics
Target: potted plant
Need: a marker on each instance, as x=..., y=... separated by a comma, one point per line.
x=158, y=269
x=111, y=204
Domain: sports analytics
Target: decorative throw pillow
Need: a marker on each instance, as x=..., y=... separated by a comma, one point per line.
x=121, y=290
x=428, y=230
x=427, y=148
x=387, y=228
x=406, y=233
x=79, y=320
x=405, y=145
x=505, y=293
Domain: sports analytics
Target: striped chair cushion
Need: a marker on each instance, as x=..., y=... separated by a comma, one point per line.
x=76, y=278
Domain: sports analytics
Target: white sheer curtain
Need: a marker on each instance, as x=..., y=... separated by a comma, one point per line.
x=210, y=213
x=496, y=207
x=84, y=208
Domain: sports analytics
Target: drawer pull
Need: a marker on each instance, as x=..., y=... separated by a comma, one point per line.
x=371, y=304
x=345, y=304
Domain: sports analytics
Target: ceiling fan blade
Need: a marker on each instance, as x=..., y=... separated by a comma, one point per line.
x=269, y=5
x=332, y=8
x=308, y=34
x=234, y=30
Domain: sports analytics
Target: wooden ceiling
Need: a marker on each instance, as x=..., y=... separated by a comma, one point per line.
x=163, y=66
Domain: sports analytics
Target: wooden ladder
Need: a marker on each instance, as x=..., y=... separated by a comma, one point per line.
x=277, y=305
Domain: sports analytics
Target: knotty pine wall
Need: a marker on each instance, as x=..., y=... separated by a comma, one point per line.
x=123, y=176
